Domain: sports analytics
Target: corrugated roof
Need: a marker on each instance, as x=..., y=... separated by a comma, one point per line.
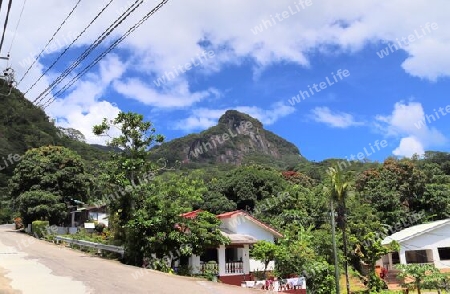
x=414, y=231
x=251, y=218
x=238, y=238
x=230, y=214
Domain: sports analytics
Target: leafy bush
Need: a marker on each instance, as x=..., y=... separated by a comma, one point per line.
x=210, y=271
x=18, y=223
x=39, y=228
x=184, y=270
x=99, y=227
x=160, y=265
x=376, y=283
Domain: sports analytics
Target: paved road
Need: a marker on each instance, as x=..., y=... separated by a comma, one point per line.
x=28, y=265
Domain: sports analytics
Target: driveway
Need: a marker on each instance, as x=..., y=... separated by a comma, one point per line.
x=28, y=265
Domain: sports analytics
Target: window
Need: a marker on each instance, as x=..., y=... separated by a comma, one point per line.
x=416, y=256
x=444, y=253
x=395, y=258
x=231, y=254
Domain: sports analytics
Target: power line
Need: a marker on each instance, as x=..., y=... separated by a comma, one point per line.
x=17, y=26
x=6, y=23
x=111, y=47
x=68, y=47
x=83, y=56
x=49, y=41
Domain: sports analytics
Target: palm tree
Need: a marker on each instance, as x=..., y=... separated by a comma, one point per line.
x=339, y=192
x=333, y=234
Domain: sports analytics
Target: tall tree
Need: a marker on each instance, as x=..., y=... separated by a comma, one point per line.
x=158, y=228
x=126, y=167
x=48, y=176
x=248, y=184
x=339, y=193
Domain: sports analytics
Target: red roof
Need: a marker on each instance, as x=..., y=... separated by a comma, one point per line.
x=191, y=214
x=231, y=214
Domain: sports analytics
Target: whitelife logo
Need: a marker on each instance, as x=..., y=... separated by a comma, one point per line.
x=429, y=117
x=12, y=160
x=391, y=48
x=265, y=24
x=343, y=164
x=242, y=129
x=322, y=85
x=181, y=69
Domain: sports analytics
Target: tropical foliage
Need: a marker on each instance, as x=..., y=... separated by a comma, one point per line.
x=146, y=197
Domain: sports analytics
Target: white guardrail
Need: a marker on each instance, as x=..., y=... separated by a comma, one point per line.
x=98, y=246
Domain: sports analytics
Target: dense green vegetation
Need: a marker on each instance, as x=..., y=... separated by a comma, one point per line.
x=24, y=126
x=146, y=198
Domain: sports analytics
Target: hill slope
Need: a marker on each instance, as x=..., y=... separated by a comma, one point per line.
x=237, y=139
x=24, y=126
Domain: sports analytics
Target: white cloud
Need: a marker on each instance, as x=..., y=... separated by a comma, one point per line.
x=405, y=124
x=177, y=96
x=83, y=108
x=172, y=37
x=333, y=119
x=408, y=147
x=203, y=118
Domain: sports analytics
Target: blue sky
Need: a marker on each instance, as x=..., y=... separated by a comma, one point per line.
x=259, y=74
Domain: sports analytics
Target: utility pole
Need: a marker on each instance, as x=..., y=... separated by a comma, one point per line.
x=336, y=261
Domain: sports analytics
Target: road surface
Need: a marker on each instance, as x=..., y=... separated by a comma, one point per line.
x=32, y=266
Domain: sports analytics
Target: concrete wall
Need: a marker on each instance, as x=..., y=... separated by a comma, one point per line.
x=256, y=265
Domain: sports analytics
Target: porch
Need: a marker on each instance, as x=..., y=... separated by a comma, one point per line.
x=424, y=256
x=225, y=260
x=230, y=267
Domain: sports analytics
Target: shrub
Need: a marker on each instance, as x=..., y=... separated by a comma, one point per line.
x=210, y=270
x=184, y=270
x=39, y=228
x=18, y=223
x=99, y=227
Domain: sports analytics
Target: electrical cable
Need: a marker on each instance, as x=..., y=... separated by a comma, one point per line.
x=17, y=27
x=83, y=56
x=111, y=47
x=6, y=24
x=49, y=41
x=68, y=47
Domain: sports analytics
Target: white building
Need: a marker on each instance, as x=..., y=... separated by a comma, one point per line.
x=233, y=261
x=425, y=243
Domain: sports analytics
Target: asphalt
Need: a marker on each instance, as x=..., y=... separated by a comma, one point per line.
x=32, y=266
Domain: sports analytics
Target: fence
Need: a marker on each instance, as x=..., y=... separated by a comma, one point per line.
x=111, y=248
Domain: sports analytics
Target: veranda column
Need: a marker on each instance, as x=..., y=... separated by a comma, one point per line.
x=402, y=256
x=246, y=259
x=221, y=259
x=436, y=258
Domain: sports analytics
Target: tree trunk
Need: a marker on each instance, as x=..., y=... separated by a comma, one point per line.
x=344, y=241
x=336, y=261
x=347, y=281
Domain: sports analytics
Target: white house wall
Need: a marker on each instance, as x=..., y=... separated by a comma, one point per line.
x=101, y=217
x=431, y=240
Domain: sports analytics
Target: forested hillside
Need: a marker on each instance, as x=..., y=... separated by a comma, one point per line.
x=236, y=139
x=255, y=171
x=24, y=126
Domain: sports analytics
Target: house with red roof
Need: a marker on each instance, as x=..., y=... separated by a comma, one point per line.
x=233, y=262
